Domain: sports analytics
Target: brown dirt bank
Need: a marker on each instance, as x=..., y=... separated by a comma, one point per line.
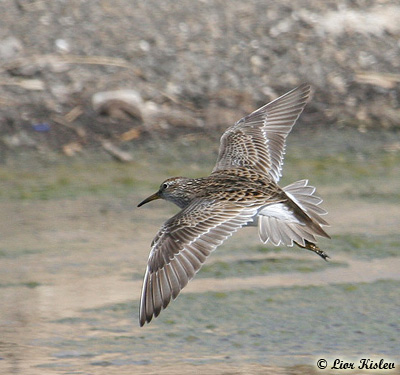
x=192, y=66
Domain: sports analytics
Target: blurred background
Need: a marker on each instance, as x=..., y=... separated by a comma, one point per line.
x=100, y=101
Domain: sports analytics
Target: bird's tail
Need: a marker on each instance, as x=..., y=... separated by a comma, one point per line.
x=299, y=220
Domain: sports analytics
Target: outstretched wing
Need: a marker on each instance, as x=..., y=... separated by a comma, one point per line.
x=181, y=247
x=258, y=140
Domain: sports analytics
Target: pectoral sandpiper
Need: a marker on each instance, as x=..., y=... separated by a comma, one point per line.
x=241, y=190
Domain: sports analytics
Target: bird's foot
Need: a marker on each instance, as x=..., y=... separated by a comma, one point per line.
x=313, y=247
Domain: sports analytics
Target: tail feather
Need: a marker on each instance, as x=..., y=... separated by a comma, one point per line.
x=302, y=194
x=296, y=221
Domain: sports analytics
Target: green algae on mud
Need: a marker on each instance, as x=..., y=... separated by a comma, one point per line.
x=19, y=252
x=69, y=181
x=27, y=284
x=325, y=157
x=282, y=326
x=360, y=246
x=253, y=266
x=367, y=245
x=250, y=267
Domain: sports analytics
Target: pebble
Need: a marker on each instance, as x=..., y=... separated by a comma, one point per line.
x=10, y=48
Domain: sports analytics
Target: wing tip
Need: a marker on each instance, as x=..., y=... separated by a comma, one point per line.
x=304, y=91
x=304, y=87
x=143, y=321
x=144, y=315
x=153, y=300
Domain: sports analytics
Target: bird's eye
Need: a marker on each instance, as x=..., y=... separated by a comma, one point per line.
x=164, y=186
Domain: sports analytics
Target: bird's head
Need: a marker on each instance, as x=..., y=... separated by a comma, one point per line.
x=174, y=190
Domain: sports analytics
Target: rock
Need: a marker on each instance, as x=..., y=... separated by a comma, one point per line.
x=120, y=104
x=62, y=45
x=119, y=109
x=20, y=139
x=131, y=97
x=10, y=48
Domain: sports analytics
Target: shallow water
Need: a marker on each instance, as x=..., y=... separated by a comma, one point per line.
x=74, y=247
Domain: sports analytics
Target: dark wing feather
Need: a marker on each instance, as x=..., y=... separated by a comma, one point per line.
x=258, y=140
x=181, y=247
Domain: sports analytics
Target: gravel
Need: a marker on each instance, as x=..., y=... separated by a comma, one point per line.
x=196, y=64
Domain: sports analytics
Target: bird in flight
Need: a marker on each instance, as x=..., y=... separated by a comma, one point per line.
x=242, y=190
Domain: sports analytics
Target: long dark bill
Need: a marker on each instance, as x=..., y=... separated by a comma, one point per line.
x=149, y=199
